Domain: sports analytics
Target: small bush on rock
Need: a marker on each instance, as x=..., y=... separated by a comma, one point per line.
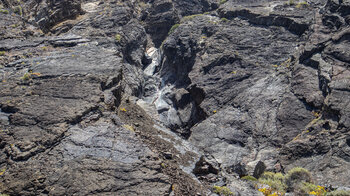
x=224, y=19
x=187, y=18
x=249, y=178
x=26, y=77
x=274, y=181
x=223, y=1
x=296, y=176
x=338, y=193
x=4, y=11
x=310, y=189
x=302, y=4
x=118, y=37
x=173, y=28
x=18, y=10
x=223, y=191
x=297, y=180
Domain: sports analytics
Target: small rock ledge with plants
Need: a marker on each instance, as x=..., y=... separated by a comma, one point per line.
x=175, y=97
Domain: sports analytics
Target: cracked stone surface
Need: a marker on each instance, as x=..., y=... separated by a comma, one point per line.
x=110, y=98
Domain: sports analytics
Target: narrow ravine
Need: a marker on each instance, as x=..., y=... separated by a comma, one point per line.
x=156, y=103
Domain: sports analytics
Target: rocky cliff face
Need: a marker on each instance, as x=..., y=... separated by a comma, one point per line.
x=158, y=97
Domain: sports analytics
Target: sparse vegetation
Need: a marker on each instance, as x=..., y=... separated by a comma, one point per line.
x=338, y=193
x=2, y=53
x=118, y=37
x=26, y=77
x=316, y=114
x=249, y=178
x=187, y=18
x=123, y=109
x=275, y=181
x=4, y=11
x=18, y=10
x=14, y=25
x=296, y=176
x=302, y=4
x=312, y=189
x=223, y=191
x=297, y=180
x=163, y=165
x=173, y=28
x=2, y=171
x=267, y=191
x=286, y=64
x=129, y=127
x=224, y=19
x=223, y=1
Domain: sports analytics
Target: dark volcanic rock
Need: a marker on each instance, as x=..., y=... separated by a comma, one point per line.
x=160, y=97
x=59, y=135
x=159, y=19
x=257, y=96
x=103, y=159
x=324, y=62
x=259, y=169
x=51, y=12
x=162, y=15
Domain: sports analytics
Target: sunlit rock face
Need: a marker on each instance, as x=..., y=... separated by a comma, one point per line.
x=158, y=97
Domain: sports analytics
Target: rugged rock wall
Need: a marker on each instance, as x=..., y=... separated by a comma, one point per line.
x=157, y=97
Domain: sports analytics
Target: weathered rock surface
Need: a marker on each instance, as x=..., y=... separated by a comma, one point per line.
x=102, y=98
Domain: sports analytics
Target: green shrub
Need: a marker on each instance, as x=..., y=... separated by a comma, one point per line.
x=276, y=185
x=338, y=193
x=224, y=19
x=118, y=37
x=268, y=175
x=173, y=28
x=223, y=191
x=297, y=180
x=274, y=176
x=274, y=180
x=4, y=11
x=26, y=76
x=187, y=18
x=14, y=25
x=223, y=1
x=249, y=178
x=306, y=188
x=302, y=4
x=18, y=10
x=2, y=53
x=296, y=176
x=279, y=176
x=310, y=189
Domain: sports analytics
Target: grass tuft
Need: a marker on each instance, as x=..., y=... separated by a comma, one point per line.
x=173, y=28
